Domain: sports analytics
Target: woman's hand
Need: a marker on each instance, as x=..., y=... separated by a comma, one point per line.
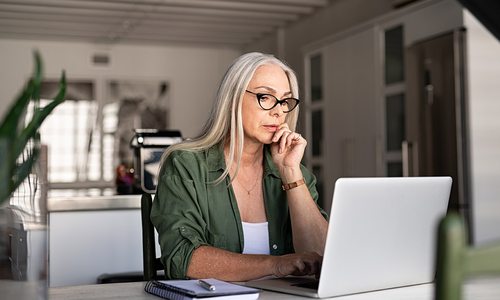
x=298, y=264
x=287, y=147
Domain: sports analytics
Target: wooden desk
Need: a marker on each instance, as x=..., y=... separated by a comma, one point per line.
x=484, y=289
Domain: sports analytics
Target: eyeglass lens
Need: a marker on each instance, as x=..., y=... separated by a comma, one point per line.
x=268, y=102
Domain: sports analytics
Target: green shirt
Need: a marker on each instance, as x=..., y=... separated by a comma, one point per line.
x=190, y=211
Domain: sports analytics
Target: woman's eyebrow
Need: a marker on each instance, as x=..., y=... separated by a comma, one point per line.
x=271, y=90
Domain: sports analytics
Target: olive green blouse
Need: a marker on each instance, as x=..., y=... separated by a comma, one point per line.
x=189, y=210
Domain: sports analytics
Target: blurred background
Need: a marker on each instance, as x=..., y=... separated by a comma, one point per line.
x=388, y=88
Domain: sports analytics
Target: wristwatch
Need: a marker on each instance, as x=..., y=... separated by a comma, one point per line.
x=291, y=185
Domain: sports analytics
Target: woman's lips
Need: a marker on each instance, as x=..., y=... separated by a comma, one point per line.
x=271, y=128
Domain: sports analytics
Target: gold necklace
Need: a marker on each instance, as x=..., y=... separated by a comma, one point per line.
x=250, y=190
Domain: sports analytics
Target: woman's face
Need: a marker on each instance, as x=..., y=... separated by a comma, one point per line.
x=259, y=125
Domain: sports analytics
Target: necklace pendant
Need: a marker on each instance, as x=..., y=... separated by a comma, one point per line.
x=248, y=192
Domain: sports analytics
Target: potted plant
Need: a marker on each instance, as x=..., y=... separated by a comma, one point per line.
x=15, y=135
x=19, y=151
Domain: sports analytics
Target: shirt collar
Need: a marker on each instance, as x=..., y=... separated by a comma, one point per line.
x=215, y=158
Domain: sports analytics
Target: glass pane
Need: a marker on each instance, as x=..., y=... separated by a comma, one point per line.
x=394, y=169
x=318, y=172
x=394, y=60
x=61, y=151
x=316, y=78
x=108, y=157
x=394, y=121
x=69, y=146
x=94, y=157
x=317, y=132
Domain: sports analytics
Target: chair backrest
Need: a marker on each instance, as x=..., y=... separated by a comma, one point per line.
x=457, y=261
x=151, y=263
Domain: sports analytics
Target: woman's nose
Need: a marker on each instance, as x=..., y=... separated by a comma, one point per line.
x=277, y=111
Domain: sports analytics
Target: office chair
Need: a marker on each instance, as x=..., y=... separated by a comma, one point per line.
x=151, y=263
x=456, y=260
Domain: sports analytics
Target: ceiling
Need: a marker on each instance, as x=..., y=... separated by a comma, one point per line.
x=232, y=23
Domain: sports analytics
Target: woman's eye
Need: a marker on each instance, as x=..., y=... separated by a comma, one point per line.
x=265, y=98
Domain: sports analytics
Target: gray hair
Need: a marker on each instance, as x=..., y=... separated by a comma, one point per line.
x=225, y=121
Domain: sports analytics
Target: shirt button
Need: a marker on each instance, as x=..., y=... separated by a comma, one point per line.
x=275, y=246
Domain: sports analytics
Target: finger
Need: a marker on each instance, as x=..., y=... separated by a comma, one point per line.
x=297, y=136
x=292, y=138
x=299, y=268
x=315, y=264
x=319, y=263
x=315, y=268
x=283, y=141
x=284, y=126
x=309, y=268
x=279, y=133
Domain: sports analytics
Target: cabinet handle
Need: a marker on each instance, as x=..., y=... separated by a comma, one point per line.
x=409, y=158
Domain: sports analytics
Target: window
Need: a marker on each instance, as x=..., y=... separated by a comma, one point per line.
x=317, y=132
x=68, y=131
x=394, y=121
x=88, y=138
x=395, y=118
x=76, y=152
x=394, y=60
x=316, y=78
x=314, y=106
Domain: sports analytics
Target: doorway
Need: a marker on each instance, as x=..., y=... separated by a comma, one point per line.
x=436, y=115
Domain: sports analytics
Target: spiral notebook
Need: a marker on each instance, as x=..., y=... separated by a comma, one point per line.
x=191, y=289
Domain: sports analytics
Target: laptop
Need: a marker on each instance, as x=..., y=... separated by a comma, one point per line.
x=381, y=234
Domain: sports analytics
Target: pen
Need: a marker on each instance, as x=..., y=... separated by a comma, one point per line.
x=206, y=285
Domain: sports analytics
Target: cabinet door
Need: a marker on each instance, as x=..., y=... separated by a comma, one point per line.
x=349, y=109
x=351, y=105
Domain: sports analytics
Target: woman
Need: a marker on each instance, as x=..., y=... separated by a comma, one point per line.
x=235, y=203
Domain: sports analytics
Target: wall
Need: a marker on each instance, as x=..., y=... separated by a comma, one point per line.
x=483, y=62
x=339, y=16
x=483, y=71
x=354, y=122
x=193, y=72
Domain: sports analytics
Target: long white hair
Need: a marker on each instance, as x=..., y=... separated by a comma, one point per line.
x=225, y=124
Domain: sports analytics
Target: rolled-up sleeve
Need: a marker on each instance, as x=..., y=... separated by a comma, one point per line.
x=177, y=216
x=311, y=185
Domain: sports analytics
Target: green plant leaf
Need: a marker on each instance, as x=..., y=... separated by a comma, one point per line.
x=24, y=169
x=4, y=169
x=13, y=174
x=39, y=116
x=10, y=123
x=37, y=76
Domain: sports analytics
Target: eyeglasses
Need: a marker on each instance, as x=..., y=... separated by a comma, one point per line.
x=268, y=102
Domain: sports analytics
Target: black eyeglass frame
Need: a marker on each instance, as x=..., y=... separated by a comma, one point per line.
x=278, y=101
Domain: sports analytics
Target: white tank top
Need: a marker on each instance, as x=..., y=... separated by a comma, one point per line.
x=255, y=238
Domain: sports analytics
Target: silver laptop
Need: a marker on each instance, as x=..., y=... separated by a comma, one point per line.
x=382, y=234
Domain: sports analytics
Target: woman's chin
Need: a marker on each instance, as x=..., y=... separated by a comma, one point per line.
x=267, y=141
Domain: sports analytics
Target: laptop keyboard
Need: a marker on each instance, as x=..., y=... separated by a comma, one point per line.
x=313, y=284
